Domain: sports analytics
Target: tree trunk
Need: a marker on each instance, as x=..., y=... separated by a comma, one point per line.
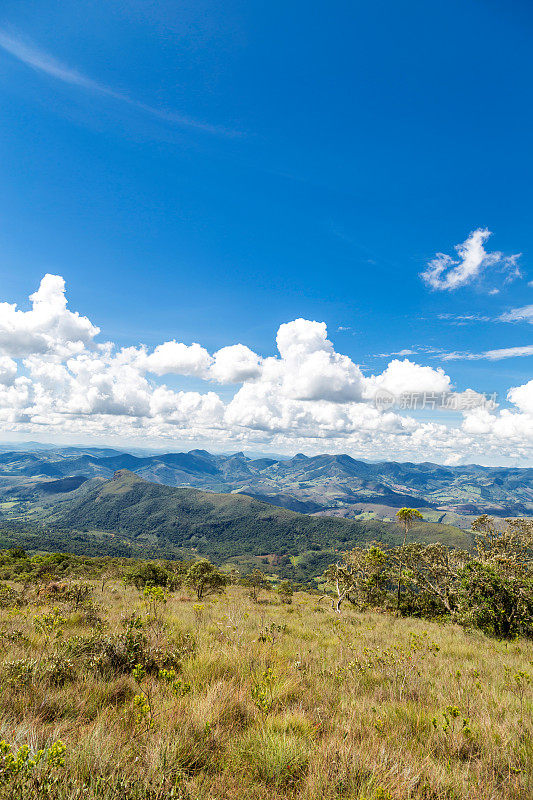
x=399, y=592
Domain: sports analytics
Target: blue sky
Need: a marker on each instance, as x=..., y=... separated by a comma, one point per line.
x=206, y=172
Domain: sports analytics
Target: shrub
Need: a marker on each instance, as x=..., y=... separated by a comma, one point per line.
x=18, y=673
x=150, y=573
x=500, y=606
x=205, y=579
x=9, y=596
x=255, y=581
x=285, y=592
x=58, y=670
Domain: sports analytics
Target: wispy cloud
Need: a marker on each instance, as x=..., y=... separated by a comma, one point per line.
x=44, y=62
x=490, y=355
x=446, y=273
x=523, y=314
x=464, y=319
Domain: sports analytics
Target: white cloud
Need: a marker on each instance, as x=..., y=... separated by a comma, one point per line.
x=310, y=369
x=461, y=319
x=48, y=328
x=522, y=397
x=523, y=314
x=447, y=273
x=43, y=62
x=491, y=355
x=179, y=358
x=56, y=378
x=8, y=370
x=235, y=364
x=406, y=376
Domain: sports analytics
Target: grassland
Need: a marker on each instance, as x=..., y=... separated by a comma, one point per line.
x=242, y=699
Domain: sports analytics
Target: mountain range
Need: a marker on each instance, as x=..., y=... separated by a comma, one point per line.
x=129, y=516
x=332, y=485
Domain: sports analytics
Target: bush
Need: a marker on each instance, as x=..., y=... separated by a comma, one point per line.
x=9, y=596
x=58, y=671
x=285, y=592
x=150, y=573
x=500, y=606
x=205, y=579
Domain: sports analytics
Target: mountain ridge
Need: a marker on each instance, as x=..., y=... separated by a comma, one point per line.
x=328, y=483
x=155, y=520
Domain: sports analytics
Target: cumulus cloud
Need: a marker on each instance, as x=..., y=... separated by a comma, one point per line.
x=48, y=328
x=310, y=369
x=8, y=370
x=179, y=358
x=522, y=397
x=56, y=377
x=406, y=376
x=447, y=273
x=235, y=364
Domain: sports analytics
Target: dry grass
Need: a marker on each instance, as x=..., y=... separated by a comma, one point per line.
x=356, y=706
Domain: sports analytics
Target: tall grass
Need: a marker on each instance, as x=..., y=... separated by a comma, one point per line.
x=363, y=706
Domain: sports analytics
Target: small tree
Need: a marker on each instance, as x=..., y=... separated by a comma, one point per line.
x=285, y=592
x=433, y=570
x=407, y=517
x=361, y=576
x=498, y=604
x=510, y=550
x=150, y=573
x=255, y=581
x=205, y=579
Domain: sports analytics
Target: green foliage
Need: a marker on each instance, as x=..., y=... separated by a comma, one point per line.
x=18, y=673
x=22, y=763
x=285, y=591
x=152, y=573
x=263, y=690
x=143, y=716
x=205, y=579
x=155, y=598
x=491, y=590
x=58, y=670
x=49, y=624
x=177, y=686
x=499, y=605
x=408, y=516
x=9, y=597
x=255, y=581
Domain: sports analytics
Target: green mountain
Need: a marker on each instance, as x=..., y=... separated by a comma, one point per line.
x=331, y=484
x=130, y=516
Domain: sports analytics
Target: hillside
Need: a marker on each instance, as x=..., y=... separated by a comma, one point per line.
x=329, y=484
x=231, y=699
x=127, y=515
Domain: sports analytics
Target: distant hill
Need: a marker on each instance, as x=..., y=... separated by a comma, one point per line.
x=324, y=483
x=134, y=516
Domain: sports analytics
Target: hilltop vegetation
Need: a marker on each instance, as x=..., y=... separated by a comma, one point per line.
x=150, y=680
x=127, y=516
x=119, y=693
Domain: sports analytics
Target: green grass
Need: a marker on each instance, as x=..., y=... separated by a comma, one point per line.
x=356, y=706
